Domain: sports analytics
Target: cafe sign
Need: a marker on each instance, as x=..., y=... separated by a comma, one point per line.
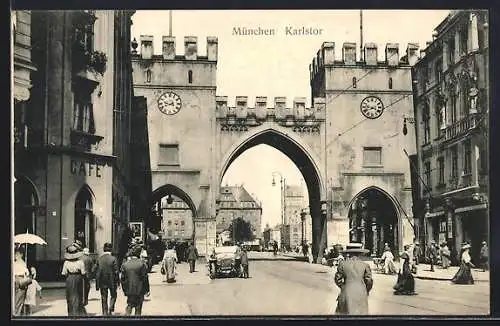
x=86, y=168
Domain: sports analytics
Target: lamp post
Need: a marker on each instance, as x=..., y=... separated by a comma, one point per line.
x=303, y=219
x=283, y=187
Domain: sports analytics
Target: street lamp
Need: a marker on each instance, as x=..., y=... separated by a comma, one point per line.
x=283, y=187
x=303, y=219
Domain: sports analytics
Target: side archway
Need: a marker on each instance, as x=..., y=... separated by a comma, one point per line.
x=85, y=223
x=375, y=221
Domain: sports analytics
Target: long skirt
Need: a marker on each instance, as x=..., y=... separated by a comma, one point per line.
x=170, y=270
x=445, y=261
x=74, y=294
x=20, y=296
x=464, y=275
x=405, y=284
x=389, y=267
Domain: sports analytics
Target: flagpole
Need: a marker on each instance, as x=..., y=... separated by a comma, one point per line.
x=170, y=23
x=361, y=35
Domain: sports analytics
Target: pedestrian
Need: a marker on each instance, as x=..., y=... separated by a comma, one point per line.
x=244, y=262
x=169, y=262
x=388, y=261
x=74, y=271
x=417, y=252
x=192, y=256
x=445, y=254
x=88, y=277
x=134, y=281
x=33, y=291
x=432, y=254
x=484, y=256
x=237, y=260
x=405, y=283
x=464, y=274
x=354, y=278
x=22, y=280
x=309, y=253
x=107, y=279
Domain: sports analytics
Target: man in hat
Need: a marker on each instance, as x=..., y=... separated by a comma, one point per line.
x=135, y=281
x=107, y=279
x=416, y=252
x=432, y=254
x=484, y=256
x=192, y=255
x=354, y=278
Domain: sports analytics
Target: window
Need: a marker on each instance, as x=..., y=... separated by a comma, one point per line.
x=441, y=170
x=183, y=223
x=169, y=223
x=83, y=115
x=372, y=156
x=390, y=82
x=439, y=70
x=354, y=82
x=148, y=76
x=464, y=100
x=190, y=76
x=454, y=99
x=451, y=51
x=454, y=162
x=467, y=157
x=427, y=127
x=84, y=219
x=169, y=154
x=427, y=173
x=463, y=40
x=84, y=37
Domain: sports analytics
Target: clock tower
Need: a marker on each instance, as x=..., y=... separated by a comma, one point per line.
x=367, y=104
x=179, y=89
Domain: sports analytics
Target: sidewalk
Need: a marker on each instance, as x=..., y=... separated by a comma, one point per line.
x=153, y=306
x=424, y=273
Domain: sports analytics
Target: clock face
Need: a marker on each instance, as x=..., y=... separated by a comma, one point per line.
x=169, y=103
x=372, y=107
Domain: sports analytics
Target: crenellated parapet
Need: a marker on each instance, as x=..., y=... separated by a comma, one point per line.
x=326, y=56
x=299, y=117
x=146, y=50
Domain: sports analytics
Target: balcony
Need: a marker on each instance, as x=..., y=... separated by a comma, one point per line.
x=462, y=182
x=461, y=127
x=84, y=140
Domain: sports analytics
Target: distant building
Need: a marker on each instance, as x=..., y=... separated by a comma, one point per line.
x=295, y=203
x=234, y=202
x=177, y=220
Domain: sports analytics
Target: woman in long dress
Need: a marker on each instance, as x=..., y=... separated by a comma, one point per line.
x=445, y=256
x=464, y=274
x=20, y=273
x=405, y=284
x=388, y=259
x=169, y=263
x=74, y=270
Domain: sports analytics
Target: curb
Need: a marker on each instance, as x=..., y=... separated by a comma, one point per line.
x=442, y=278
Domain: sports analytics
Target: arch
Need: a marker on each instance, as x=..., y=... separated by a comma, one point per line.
x=24, y=179
x=287, y=145
x=84, y=219
x=394, y=201
x=174, y=190
x=26, y=201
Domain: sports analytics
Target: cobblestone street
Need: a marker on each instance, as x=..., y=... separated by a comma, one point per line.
x=284, y=286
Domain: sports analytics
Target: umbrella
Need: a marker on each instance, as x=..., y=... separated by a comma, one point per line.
x=28, y=238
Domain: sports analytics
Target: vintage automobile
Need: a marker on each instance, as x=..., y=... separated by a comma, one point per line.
x=226, y=263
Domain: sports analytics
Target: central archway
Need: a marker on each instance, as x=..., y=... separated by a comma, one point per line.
x=302, y=157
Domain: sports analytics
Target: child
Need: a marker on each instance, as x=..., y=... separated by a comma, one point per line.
x=31, y=293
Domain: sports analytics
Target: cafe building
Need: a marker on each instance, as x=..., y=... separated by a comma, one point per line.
x=72, y=161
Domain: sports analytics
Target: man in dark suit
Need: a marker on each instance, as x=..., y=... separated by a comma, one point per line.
x=107, y=279
x=354, y=278
x=244, y=262
x=192, y=255
x=135, y=281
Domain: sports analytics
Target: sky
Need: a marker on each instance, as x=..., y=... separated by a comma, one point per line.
x=278, y=65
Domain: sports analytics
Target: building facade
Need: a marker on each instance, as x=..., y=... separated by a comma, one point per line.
x=72, y=169
x=296, y=204
x=235, y=202
x=451, y=114
x=177, y=220
x=368, y=175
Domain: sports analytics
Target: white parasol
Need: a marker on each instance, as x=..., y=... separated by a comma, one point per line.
x=28, y=238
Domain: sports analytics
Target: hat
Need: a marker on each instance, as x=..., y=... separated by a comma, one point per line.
x=355, y=248
x=86, y=251
x=484, y=242
x=78, y=244
x=465, y=246
x=108, y=247
x=72, y=253
x=433, y=241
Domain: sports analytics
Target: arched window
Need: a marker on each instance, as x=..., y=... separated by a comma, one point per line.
x=25, y=204
x=354, y=82
x=148, y=76
x=190, y=76
x=84, y=219
x=390, y=82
